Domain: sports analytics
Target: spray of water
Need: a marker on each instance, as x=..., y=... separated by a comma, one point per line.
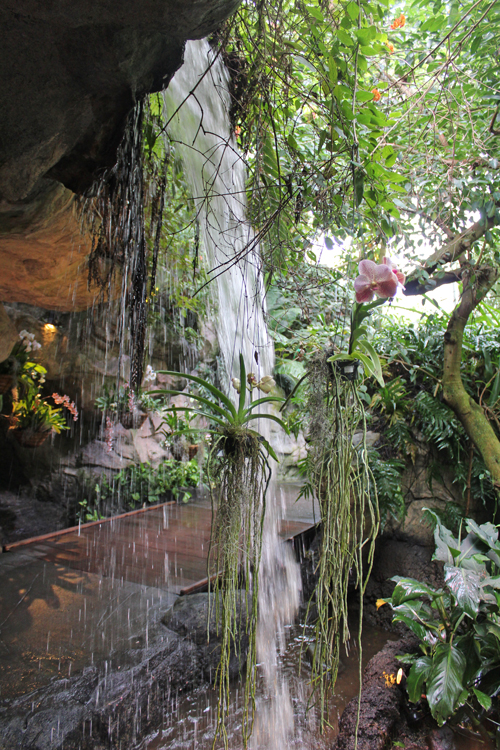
x=197, y=104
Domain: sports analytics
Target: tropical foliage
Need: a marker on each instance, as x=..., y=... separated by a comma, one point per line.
x=136, y=485
x=458, y=626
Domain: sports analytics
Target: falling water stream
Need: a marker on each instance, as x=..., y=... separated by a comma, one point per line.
x=197, y=104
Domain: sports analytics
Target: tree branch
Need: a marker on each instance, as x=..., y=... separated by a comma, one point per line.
x=447, y=253
x=477, y=283
x=421, y=286
x=438, y=222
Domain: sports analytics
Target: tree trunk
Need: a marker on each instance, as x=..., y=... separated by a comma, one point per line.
x=475, y=422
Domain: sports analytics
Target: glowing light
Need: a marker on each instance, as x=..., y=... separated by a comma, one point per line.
x=49, y=328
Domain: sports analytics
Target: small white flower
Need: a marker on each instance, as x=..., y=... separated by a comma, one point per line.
x=149, y=375
x=236, y=384
x=35, y=345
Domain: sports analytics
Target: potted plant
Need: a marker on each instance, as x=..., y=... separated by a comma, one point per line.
x=127, y=407
x=180, y=436
x=18, y=362
x=238, y=467
x=33, y=418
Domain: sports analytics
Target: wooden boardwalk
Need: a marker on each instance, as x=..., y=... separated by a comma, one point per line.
x=73, y=597
x=164, y=546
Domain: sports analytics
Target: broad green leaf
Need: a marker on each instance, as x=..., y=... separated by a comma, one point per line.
x=487, y=532
x=444, y=540
x=467, y=646
x=377, y=368
x=465, y=586
x=353, y=10
x=418, y=674
x=344, y=37
x=484, y=700
x=445, y=682
x=415, y=627
x=408, y=588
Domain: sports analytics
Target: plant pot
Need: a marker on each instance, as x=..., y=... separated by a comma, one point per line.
x=347, y=368
x=132, y=420
x=192, y=451
x=5, y=383
x=28, y=438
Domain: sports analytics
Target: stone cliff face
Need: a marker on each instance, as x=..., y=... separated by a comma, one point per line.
x=70, y=71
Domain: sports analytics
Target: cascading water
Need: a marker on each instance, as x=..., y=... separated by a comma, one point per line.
x=197, y=104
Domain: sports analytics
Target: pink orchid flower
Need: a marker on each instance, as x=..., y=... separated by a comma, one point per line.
x=374, y=280
x=399, y=274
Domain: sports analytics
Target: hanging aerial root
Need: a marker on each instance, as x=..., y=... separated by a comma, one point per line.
x=238, y=505
x=339, y=473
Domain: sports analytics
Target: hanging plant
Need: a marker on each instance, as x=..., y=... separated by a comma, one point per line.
x=340, y=476
x=238, y=464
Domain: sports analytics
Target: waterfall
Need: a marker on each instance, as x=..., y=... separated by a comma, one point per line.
x=197, y=104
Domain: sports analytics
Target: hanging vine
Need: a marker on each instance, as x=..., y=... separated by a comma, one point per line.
x=124, y=212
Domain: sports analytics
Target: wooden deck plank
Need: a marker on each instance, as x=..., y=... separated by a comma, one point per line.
x=162, y=546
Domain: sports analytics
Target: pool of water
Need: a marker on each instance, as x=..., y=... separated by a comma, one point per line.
x=191, y=723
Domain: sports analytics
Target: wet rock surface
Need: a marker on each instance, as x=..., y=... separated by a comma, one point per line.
x=70, y=72
x=189, y=618
x=92, y=712
x=381, y=701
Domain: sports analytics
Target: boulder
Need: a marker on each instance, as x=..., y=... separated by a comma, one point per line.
x=8, y=334
x=70, y=72
x=92, y=711
x=189, y=619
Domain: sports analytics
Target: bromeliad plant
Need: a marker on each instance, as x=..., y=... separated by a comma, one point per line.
x=458, y=626
x=238, y=460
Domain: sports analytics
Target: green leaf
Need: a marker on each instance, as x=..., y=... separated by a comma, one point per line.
x=408, y=588
x=213, y=390
x=465, y=587
x=377, y=368
x=359, y=182
x=445, y=681
x=353, y=10
x=418, y=674
x=344, y=38
x=243, y=386
x=484, y=700
x=201, y=399
x=486, y=532
x=415, y=627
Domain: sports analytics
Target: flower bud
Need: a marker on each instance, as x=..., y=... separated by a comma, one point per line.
x=236, y=384
x=266, y=384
